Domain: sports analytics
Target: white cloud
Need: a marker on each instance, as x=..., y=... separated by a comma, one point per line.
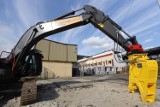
x=100, y=5
x=130, y=10
x=86, y=50
x=144, y=22
x=28, y=11
x=72, y=35
x=7, y=39
x=135, y=24
x=141, y=16
x=156, y=33
x=148, y=47
x=23, y=14
x=98, y=43
x=103, y=4
x=145, y=27
x=148, y=40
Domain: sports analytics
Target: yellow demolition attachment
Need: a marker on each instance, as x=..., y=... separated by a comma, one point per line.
x=143, y=76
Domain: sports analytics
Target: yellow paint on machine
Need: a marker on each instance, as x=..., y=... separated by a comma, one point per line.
x=67, y=21
x=101, y=25
x=143, y=75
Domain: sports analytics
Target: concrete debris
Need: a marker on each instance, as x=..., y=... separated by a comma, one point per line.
x=96, y=92
x=76, y=86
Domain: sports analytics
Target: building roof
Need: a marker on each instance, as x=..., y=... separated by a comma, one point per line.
x=79, y=57
x=60, y=42
x=153, y=51
x=102, y=54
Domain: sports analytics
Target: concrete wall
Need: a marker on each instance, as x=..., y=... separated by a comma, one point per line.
x=56, y=69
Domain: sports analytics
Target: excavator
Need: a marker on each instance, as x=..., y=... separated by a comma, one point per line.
x=24, y=60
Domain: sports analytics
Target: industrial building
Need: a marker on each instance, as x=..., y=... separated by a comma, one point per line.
x=58, y=58
x=103, y=63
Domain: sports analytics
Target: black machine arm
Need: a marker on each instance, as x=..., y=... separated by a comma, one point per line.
x=113, y=30
x=91, y=15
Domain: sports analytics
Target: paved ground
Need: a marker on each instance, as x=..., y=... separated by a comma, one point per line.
x=93, y=91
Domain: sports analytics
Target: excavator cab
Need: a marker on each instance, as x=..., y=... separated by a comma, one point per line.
x=32, y=64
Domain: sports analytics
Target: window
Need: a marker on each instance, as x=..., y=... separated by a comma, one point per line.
x=92, y=64
x=100, y=63
x=106, y=62
x=109, y=62
x=119, y=56
x=95, y=64
x=99, y=68
x=105, y=68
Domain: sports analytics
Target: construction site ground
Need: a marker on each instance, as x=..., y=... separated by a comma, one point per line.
x=89, y=91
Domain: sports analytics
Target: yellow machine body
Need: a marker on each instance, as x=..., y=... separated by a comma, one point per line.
x=143, y=75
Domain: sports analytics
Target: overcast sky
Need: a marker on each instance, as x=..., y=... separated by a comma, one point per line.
x=137, y=17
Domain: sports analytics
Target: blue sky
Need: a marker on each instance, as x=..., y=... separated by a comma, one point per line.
x=137, y=17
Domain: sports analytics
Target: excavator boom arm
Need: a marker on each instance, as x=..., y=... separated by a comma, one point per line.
x=41, y=31
x=91, y=15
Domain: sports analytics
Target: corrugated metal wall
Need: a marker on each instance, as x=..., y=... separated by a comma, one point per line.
x=43, y=45
x=72, y=53
x=58, y=52
x=54, y=51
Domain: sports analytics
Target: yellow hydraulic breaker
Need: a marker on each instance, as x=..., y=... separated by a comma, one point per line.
x=143, y=76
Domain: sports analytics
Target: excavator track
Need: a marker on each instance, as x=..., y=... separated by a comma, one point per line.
x=29, y=92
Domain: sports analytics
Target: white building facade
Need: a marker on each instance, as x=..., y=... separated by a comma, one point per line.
x=104, y=63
